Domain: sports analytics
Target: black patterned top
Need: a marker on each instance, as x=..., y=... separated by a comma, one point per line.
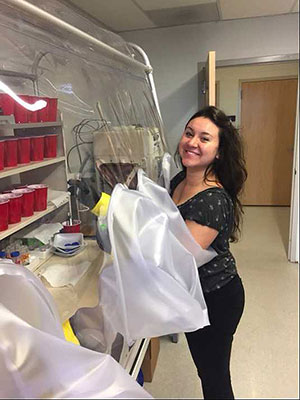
x=212, y=207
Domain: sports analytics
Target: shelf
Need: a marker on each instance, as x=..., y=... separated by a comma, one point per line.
x=27, y=167
x=29, y=220
x=30, y=125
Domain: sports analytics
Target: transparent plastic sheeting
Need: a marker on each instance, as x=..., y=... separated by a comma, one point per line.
x=68, y=13
x=151, y=286
x=111, y=130
x=110, y=122
x=35, y=359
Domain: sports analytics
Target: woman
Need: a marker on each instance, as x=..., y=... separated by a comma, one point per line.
x=206, y=193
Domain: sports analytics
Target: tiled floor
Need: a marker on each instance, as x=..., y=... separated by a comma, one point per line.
x=265, y=350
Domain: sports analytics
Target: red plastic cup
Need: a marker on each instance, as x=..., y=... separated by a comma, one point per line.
x=27, y=201
x=23, y=150
x=74, y=228
x=1, y=154
x=20, y=112
x=7, y=104
x=10, y=152
x=40, y=196
x=43, y=114
x=4, y=214
x=52, y=111
x=32, y=116
x=50, y=146
x=14, y=207
x=37, y=148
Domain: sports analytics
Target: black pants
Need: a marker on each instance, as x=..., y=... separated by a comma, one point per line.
x=211, y=346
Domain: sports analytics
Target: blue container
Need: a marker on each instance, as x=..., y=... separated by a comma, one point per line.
x=140, y=378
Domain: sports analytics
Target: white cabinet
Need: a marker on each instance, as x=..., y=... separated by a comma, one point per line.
x=51, y=171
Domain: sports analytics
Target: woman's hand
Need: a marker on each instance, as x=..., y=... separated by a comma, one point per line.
x=202, y=234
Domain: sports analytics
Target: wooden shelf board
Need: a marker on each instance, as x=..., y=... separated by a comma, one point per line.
x=28, y=220
x=27, y=167
x=30, y=125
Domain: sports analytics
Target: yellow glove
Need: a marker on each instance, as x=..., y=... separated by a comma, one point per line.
x=100, y=209
x=69, y=334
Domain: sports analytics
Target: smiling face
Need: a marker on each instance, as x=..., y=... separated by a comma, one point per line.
x=199, y=143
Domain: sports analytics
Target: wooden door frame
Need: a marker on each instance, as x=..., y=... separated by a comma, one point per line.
x=293, y=249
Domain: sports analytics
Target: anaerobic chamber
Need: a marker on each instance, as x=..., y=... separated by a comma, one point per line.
x=114, y=148
x=107, y=109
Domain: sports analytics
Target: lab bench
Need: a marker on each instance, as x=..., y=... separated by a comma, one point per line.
x=85, y=293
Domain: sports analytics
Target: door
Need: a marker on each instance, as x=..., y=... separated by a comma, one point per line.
x=268, y=111
x=207, y=81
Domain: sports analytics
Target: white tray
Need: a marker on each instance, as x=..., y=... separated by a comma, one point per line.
x=63, y=254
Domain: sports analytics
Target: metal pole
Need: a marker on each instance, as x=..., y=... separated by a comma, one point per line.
x=149, y=74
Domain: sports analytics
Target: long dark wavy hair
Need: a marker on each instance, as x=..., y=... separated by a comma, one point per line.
x=230, y=167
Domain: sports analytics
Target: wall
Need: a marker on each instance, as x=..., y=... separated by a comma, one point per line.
x=293, y=252
x=175, y=53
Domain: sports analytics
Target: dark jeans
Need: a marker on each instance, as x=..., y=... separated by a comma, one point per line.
x=211, y=346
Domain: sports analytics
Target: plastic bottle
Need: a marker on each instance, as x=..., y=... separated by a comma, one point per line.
x=15, y=256
x=24, y=255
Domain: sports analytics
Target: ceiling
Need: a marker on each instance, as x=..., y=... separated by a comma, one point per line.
x=129, y=15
